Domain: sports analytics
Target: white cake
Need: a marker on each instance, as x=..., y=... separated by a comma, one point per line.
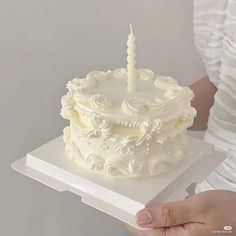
x=119, y=133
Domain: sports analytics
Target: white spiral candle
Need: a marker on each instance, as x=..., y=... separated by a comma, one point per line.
x=131, y=59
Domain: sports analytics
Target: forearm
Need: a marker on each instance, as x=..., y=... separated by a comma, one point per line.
x=204, y=92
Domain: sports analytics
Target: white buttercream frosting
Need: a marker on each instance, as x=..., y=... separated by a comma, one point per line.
x=100, y=102
x=118, y=133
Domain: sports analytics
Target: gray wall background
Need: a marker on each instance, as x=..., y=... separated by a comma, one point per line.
x=45, y=43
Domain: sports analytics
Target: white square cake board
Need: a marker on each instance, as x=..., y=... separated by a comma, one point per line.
x=121, y=198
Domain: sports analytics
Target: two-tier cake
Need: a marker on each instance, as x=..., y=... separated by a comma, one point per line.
x=134, y=132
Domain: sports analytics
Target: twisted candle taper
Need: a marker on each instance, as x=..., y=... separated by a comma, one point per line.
x=131, y=59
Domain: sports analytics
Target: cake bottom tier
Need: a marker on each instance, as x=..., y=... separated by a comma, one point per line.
x=122, y=157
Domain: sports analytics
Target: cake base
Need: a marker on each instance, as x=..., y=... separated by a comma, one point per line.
x=121, y=198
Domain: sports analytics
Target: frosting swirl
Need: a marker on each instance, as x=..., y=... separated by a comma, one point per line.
x=76, y=85
x=166, y=83
x=135, y=167
x=68, y=103
x=100, y=102
x=94, y=162
x=115, y=167
x=157, y=168
x=173, y=93
x=135, y=106
x=145, y=74
x=120, y=73
x=119, y=167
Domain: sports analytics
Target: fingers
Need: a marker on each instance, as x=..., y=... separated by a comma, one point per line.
x=166, y=215
x=191, y=210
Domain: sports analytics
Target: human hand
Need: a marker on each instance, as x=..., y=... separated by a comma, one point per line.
x=203, y=214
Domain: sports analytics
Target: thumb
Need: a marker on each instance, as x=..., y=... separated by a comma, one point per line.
x=167, y=215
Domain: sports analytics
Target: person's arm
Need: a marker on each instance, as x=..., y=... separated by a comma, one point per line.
x=204, y=92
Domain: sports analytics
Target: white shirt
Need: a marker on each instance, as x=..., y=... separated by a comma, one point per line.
x=215, y=39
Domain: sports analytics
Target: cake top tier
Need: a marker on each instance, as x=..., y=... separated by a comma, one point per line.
x=105, y=94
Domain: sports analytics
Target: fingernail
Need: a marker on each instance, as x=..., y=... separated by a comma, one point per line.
x=144, y=217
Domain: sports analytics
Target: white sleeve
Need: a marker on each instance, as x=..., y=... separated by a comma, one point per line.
x=215, y=38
